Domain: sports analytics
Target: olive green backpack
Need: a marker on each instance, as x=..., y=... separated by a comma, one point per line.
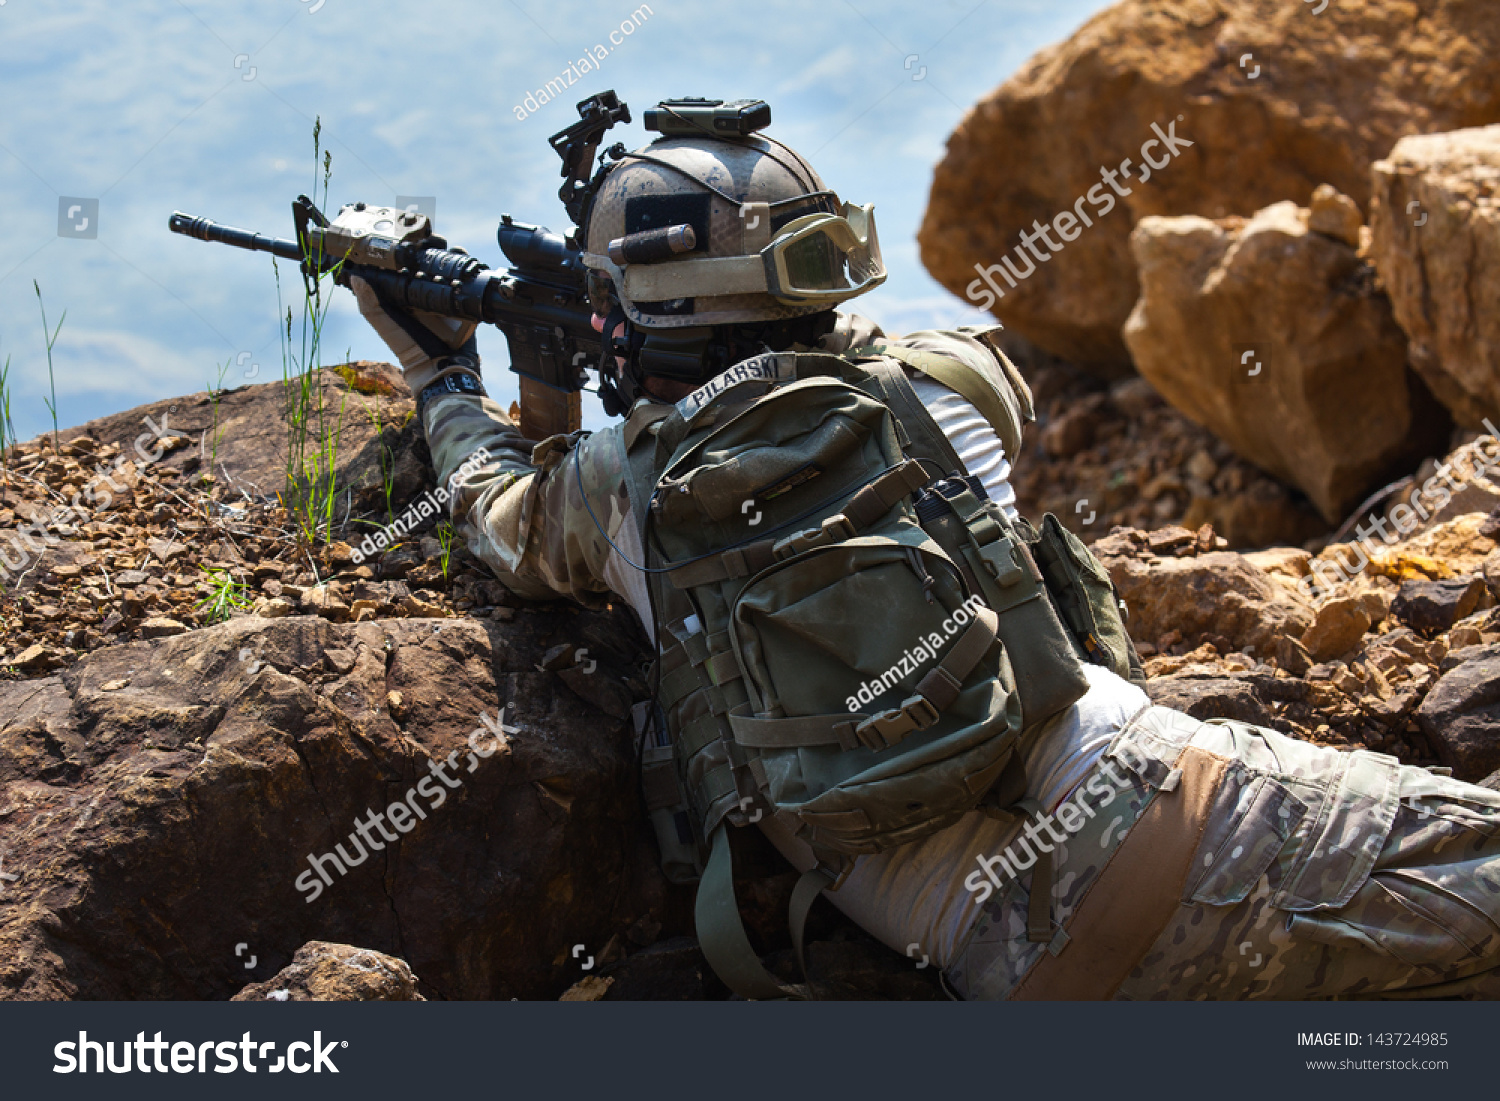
x=853, y=639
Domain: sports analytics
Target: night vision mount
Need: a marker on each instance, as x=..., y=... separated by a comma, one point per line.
x=691, y=116
x=577, y=146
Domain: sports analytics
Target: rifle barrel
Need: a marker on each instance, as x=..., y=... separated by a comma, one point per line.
x=205, y=230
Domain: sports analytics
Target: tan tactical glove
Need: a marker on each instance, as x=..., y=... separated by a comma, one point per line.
x=429, y=347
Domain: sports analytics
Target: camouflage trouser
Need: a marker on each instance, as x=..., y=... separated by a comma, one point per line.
x=1222, y=860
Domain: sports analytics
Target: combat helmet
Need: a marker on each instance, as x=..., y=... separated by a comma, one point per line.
x=713, y=224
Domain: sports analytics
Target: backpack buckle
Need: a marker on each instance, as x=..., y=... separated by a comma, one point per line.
x=884, y=730
x=835, y=529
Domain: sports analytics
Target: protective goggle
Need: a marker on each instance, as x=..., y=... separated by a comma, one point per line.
x=817, y=258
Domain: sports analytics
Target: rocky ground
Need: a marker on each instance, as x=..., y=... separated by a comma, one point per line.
x=168, y=765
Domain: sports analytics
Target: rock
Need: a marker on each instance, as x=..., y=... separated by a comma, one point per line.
x=1432, y=606
x=1290, y=562
x=33, y=657
x=1070, y=433
x=1335, y=215
x=1169, y=540
x=673, y=969
x=590, y=988
x=1436, y=221
x=1218, y=593
x=1339, y=626
x=1292, y=656
x=1462, y=638
x=161, y=627
x=1326, y=402
x=1461, y=718
x=418, y=608
x=323, y=972
x=194, y=799
x=598, y=688
x=1336, y=92
x=1202, y=466
x=1492, y=573
x=1209, y=698
x=1462, y=654
x=1402, y=647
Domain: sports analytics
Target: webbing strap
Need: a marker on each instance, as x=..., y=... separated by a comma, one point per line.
x=724, y=667
x=721, y=932
x=880, y=496
x=740, y=562
x=810, y=885
x=1043, y=875
x=935, y=692
x=867, y=506
x=962, y=379
x=802, y=730
x=889, y=383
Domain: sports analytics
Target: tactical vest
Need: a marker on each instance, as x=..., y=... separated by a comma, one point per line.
x=852, y=637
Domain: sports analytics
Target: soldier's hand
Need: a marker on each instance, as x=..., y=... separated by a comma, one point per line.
x=419, y=340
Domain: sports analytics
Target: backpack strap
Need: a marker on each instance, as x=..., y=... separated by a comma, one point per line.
x=923, y=439
x=721, y=931
x=963, y=380
x=810, y=885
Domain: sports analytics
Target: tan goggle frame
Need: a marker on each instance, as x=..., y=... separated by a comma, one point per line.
x=850, y=251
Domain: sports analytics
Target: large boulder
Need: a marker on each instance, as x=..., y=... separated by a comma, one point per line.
x=162, y=803
x=1435, y=214
x=1274, y=337
x=1275, y=98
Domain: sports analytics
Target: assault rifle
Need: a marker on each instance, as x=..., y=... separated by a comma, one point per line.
x=540, y=303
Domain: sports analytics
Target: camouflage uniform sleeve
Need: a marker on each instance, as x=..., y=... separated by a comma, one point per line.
x=524, y=510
